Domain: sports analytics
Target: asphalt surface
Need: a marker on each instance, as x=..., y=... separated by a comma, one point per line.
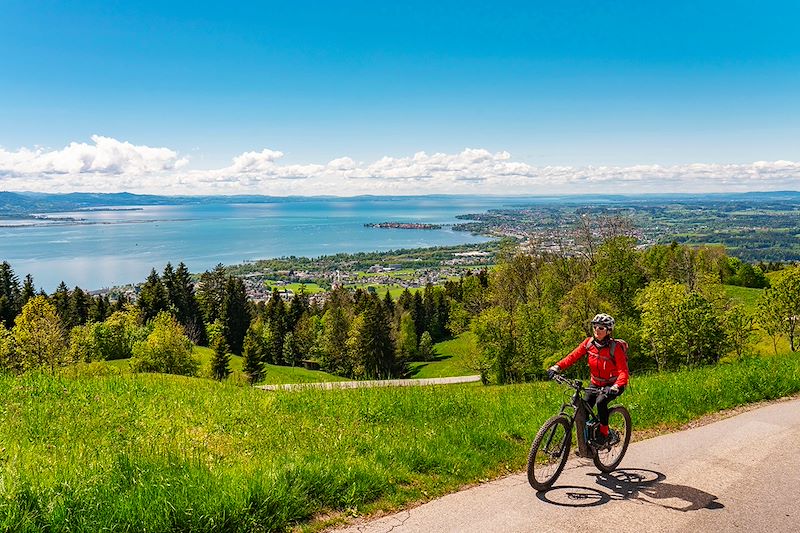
x=737, y=474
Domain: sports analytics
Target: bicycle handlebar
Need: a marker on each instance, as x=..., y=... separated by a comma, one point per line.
x=576, y=384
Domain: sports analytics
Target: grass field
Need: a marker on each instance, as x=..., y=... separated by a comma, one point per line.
x=310, y=288
x=452, y=359
x=274, y=374
x=744, y=295
x=143, y=452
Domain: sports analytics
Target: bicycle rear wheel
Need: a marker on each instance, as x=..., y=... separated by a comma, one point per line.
x=609, y=456
x=549, y=452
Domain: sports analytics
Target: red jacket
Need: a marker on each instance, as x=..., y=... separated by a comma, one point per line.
x=605, y=370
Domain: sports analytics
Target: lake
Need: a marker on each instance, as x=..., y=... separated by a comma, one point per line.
x=117, y=246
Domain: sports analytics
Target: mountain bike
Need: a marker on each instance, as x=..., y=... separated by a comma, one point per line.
x=551, y=446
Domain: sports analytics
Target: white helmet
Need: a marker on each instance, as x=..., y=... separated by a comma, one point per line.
x=603, y=319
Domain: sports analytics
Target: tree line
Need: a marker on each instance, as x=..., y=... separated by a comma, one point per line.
x=353, y=334
x=668, y=301
x=526, y=312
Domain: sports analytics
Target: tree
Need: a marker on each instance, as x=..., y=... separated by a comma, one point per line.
x=701, y=335
x=166, y=349
x=9, y=295
x=8, y=355
x=254, y=351
x=426, y=351
x=335, y=326
x=220, y=362
x=116, y=335
x=407, y=338
x=28, y=290
x=78, y=307
x=617, y=273
x=235, y=314
x=152, y=297
x=60, y=300
x=291, y=351
x=370, y=346
x=659, y=303
x=39, y=337
x=780, y=305
x=187, y=308
x=83, y=343
x=740, y=327
x=492, y=329
x=211, y=292
x=277, y=321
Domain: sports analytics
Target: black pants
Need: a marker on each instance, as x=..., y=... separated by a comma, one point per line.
x=596, y=398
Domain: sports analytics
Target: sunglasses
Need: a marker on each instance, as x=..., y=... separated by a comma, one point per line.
x=601, y=328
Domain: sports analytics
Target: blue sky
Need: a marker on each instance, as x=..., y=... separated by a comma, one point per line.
x=555, y=84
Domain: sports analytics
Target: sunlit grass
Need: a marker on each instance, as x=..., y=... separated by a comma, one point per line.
x=452, y=359
x=139, y=452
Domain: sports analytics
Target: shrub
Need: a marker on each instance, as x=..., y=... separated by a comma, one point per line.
x=166, y=349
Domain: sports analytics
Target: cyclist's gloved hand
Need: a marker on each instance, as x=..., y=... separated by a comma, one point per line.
x=552, y=371
x=613, y=390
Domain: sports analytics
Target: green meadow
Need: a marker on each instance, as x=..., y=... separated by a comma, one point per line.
x=145, y=452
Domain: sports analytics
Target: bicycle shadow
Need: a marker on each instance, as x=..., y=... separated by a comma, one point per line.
x=645, y=486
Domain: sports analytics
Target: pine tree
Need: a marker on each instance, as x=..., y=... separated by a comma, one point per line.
x=220, y=362
x=370, y=344
x=78, y=307
x=235, y=314
x=276, y=318
x=60, y=300
x=426, y=351
x=152, y=297
x=253, y=352
x=211, y=292
x=9, y=295
x=187, y=306
x=28, y=290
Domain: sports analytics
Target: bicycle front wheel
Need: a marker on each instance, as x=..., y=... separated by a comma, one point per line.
x=549, y=452
x=609, y=456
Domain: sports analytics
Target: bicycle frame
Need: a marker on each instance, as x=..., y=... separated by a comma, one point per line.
x=579, y=412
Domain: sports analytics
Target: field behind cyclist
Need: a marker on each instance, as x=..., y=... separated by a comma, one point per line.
x=156, y=452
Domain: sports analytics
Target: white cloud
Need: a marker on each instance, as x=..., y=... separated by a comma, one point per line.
x=106, y=156
x=112, y=165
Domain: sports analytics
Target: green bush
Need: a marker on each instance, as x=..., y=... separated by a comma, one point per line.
x=166, y=349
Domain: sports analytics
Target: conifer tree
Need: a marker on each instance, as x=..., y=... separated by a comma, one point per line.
x=61, y=302
x=28, y=290
x=10, y=297
x=235, y=314
x=276, y=319
x=253, y=352
x=153, y=297
x=211, y=292
x=187, y=307
x=426, y=351
x=370, y=344
x=220, y=362
x=78, y=307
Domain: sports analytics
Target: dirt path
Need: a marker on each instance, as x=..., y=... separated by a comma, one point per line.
x=739, y=473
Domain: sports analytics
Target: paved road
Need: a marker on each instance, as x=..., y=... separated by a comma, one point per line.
x=738, y=474
x=375, y=383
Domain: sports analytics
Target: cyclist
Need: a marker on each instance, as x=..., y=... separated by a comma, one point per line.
x=608, y=365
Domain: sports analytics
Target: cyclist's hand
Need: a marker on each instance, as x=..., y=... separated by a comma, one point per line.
x=552, y=371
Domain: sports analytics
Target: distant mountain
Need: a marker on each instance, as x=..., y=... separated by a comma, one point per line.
x=21, y=204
